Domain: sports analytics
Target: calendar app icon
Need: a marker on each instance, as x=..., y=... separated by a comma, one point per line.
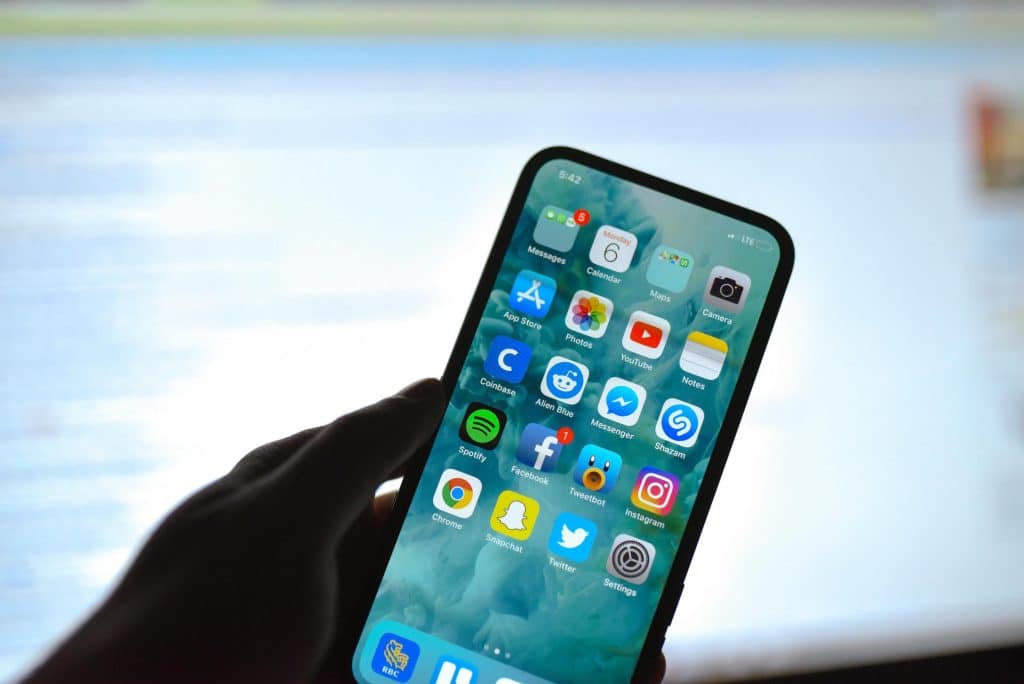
x=613, y=248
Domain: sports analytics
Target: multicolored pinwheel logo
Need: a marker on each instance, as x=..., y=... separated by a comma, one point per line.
x=589, y=313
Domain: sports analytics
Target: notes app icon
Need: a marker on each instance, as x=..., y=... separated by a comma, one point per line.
x=703, y=355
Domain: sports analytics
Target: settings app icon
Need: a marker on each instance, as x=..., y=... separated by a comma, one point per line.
x=630, y=559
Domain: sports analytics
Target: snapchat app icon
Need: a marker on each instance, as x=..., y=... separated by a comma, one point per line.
x=515, y=515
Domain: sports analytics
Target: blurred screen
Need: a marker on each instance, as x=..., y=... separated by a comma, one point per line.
x=210, y=242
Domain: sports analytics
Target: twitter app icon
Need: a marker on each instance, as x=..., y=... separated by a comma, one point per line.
x=572, y=537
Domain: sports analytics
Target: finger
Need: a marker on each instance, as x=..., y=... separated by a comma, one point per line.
x=332, y=478
x=265, y=459
x=658, y=670
x=382, y=506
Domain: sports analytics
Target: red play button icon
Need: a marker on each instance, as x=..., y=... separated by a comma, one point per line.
x=646, y=334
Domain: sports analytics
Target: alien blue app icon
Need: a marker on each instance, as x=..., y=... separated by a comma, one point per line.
x=507, y=359
x=532, y=294
x=597, y=468
x=622, y=401
x=572, y=537
x=539, y=447
x=564, y=380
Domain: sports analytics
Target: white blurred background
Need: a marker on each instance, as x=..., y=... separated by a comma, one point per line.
x=221, y=225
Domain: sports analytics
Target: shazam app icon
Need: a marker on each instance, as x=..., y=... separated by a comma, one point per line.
x=482, y=425
x=622, y=401
x=679, y=422
x=597, y=468
x=457, y=493
x=532, y=294
x=564, y=380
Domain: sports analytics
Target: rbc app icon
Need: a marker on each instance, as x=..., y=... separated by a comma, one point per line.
x=507, y=359
x=532, y=294
x=395, y=657
x=539, y=447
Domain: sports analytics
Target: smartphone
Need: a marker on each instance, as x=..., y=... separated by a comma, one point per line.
x=594, y=391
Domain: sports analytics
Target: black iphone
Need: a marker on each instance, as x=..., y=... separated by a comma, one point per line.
x=594, y=391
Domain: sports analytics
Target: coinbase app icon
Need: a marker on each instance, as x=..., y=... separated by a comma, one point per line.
x=622, y=401
x=679, y=422
x=507, y=359
x=532, y=294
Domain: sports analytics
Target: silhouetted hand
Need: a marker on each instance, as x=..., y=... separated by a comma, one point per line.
x=255, y=577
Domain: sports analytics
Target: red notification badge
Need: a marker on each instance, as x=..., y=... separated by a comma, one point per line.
x=581, y=217
x=564, y=435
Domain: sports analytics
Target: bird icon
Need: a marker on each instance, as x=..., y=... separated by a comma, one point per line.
x=572, y=539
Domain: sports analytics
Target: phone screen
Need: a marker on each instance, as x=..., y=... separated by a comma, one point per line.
x=539, y=539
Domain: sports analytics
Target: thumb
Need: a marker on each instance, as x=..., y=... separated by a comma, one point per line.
x=332, y=478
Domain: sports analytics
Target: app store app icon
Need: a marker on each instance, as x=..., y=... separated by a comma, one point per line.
x=532, y=294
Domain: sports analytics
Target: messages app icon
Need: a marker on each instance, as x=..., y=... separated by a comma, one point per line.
x=556, y=229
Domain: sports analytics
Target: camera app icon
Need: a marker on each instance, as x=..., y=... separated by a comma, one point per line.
x=727, y=289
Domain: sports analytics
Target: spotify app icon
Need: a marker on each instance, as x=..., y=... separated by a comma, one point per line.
x=482, y=425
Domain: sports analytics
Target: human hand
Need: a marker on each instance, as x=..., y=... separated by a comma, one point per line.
x=242, y=581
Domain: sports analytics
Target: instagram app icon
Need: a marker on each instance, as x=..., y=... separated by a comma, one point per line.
x=655, y=491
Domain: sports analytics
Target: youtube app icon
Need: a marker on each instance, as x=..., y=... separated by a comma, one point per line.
x=646, y=334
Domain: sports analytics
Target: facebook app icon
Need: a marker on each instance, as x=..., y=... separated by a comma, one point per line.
x=507, y=359
x=539, y=447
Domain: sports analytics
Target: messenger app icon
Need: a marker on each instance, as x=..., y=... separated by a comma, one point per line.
x=622, y=401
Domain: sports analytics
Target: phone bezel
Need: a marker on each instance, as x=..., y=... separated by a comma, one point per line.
x=727, y=433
